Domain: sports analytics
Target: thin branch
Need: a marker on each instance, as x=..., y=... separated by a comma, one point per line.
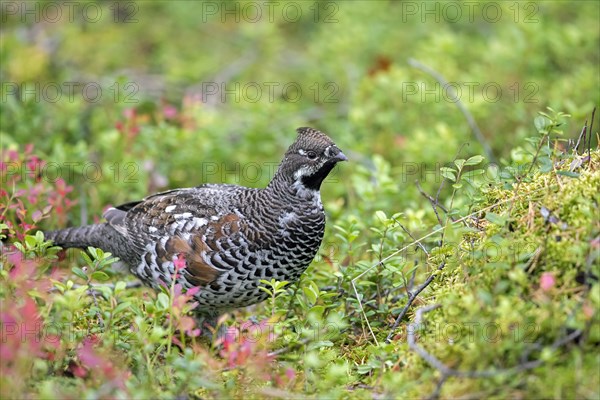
x=434, y=203
x=452, y=92
x=362, y=310
x=438, y=388
x=411, y=298
x=533, y=161
x=582, y=135
x=277, y=352
x=411, y=282
x=590, y=136
x=129, y=285
x=412, y=237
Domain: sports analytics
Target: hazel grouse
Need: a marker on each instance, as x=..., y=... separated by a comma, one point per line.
x=229, y=236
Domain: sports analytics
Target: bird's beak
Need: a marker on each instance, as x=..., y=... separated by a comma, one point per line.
x=340, y=157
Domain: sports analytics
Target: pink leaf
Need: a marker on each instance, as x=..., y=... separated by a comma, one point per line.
x=192, y=292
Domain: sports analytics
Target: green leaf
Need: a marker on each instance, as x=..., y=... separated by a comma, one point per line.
x=120, y=286
x=474, y=160
x=79, y=272
x=448, y=173
x=459, y=163
x=280, y=286
x=162, y=301
x=568, y=173
x=121, y=307
x=100, y=276
x=380, y=215
x=94, y=252
x=30, y=241
x=541, y=123
x=267, y=291
x=364, y=369
x=496, y=218
x=87, y=258
x=310, y=294
x=319, y=344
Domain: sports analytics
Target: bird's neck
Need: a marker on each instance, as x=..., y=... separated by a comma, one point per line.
x=287, y=188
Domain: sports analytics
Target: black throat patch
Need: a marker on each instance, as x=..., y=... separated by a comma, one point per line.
x=313, y=182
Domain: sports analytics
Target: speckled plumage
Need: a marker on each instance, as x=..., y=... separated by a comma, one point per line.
x=229, y=236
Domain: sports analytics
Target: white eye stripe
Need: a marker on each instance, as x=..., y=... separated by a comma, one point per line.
x=310, y=154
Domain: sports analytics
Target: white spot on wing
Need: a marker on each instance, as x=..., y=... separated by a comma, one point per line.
x=184, y=215
x=152, y=229
x=200, y=222
x=170, y=208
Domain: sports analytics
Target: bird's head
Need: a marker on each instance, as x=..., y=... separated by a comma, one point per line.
x=310, y=159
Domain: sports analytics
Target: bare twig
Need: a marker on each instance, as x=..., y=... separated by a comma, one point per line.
x=434, y=203
x=452, y=92
x=411, y=282
x=277, y=352
x=438, y=388
x=582, y=135
x=412, y=237
x=129, y=285
x=590, y=136
x=411, y=298
x=533, y=161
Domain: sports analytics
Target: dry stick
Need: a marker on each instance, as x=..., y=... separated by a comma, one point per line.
x=460, y=220
x=409, y=285
x=581, y=135
x=411, y=236
x=302, y=342
x=129, y=285
x=533, y=161
x=447, y=371
x=470, y=120
x=411, y=299
x=434, y=203
x=438, y=388
x=590, y=136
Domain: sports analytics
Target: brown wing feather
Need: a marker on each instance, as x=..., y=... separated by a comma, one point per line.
x=199, y=273
x=155, y=216
x=202, y=243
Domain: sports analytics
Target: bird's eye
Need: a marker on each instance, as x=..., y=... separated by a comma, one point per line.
x=311, y=155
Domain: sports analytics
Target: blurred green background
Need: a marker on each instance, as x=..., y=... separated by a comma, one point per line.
x=134, y=82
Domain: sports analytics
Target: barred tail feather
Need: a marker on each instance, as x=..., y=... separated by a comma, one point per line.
x=80, y=237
